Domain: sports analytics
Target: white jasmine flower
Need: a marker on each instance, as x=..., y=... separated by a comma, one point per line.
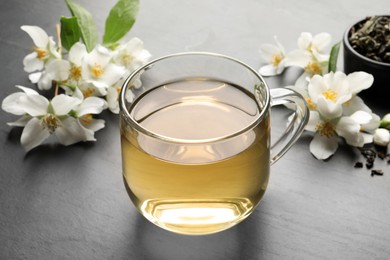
x=381, y=137
x=84, y=111
x=359, y=81
x=76, y=54
x=318, y=44
x=328, y=93
x=351, y=128
x=325, y=141
x=10, y=103
x=57, y=70
x=112, y=99
x=311, y=55
x=49, y=117
x=98, y=70
x=68, y=118
x=44, y=49
x=274, y=55
x=132, y=55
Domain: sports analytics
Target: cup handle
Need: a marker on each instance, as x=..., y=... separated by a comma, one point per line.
x=283, y=96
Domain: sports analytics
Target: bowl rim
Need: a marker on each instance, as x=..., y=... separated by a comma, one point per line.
x=351, y=49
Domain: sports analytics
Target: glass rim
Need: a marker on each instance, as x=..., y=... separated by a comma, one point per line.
x=129, y=119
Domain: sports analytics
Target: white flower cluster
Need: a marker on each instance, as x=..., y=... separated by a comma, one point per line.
x=90, y=83
x=335, y=108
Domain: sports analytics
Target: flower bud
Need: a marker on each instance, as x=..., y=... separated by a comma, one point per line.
x=381, y=137
x=385, y=122
x=386, y=117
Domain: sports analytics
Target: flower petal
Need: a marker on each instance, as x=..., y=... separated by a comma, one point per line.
x=77, y=52
x=33, y=134
x=112, y=100
x=316, y=87
x=279, y=45
x=355, y=104
x=367, y=138
x=11, y=105
x=34, y=105
x=112, y=74
x=361, y=117
x=32, y=63
x=95, y=125
x=53, y=48
x=98, y=56
x=372, y=125
x=63, y=104
x=350, y=130
x=323, y=147
x=37, y=34
x=72, y=132
x=322, y=41
x=58, y=69
x=28, y=91
x=134, y=45
x=298, y=58
x=328, y=108
x=34, y=77
x=359, y=81
x=304, y=40
x=90, y=105
x=267, y=51
x=45, y=81
x=301, y=85
x=314, y=119
x=21, y=121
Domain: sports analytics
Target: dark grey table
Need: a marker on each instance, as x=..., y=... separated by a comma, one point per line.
x=70, y=203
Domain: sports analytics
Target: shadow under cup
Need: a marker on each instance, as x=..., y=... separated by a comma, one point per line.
x=195, y=136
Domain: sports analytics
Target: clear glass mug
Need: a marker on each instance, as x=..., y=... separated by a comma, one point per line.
x=195, y=137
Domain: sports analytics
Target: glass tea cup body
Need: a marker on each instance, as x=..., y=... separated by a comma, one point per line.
x=195, y=137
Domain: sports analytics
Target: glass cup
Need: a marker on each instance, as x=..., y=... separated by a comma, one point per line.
x=195, y=137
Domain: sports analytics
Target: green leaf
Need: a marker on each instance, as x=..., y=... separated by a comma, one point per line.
x=334, y=53
x=70, y=31
x=120, y=20
x=88, y=30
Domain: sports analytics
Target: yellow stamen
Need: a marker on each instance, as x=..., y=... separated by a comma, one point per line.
x=118, y=89
x=313, y=68
x=86, y=119
x=276, y=59
x=41, y=53
x=88, y=92
x=330, y=94
x=325, y=129
x=347, y=103
x=97, y=70
x=51, y=122
x=310, y=103
x=127, y=58
x=75, y=73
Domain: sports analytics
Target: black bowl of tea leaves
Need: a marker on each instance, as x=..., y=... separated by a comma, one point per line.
x=367, y=48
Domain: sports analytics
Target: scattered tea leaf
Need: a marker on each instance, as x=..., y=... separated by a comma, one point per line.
x=371, y=38
x=358, y=165
x=376, y=172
